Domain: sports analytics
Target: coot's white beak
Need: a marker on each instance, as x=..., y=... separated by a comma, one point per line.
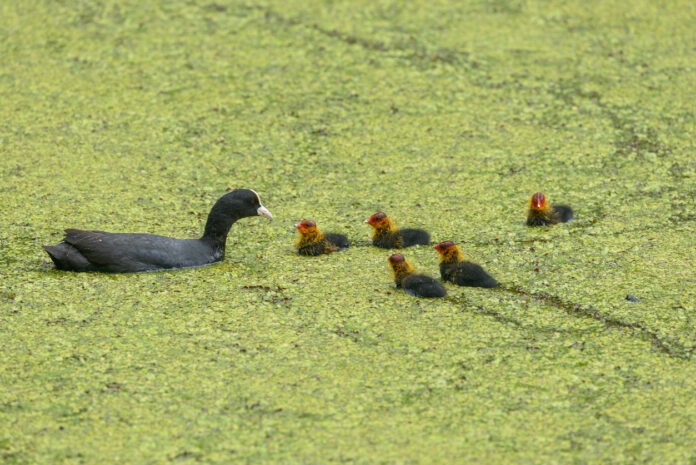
x=263, y=211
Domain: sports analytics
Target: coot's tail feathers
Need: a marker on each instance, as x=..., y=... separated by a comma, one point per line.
x=481, y=281
x=565, y=213
x=423, y=286
x=67, y=258
x=414, y=237
x=339, y=240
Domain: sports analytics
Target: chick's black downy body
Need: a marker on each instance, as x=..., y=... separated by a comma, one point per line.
x=454, y=268
x=466, y=274
x=420, y=285
x=541, y=213
x=387, y=236
x=312, y=241
x=412, y=283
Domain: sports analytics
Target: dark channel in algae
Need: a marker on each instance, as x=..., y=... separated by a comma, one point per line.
x=136, y=116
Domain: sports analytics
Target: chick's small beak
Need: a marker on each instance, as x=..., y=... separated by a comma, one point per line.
x=263, y=211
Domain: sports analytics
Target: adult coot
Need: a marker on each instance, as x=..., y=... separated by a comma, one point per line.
x=129, y=253
x=455, y=268
x=387, y=236
x=542, y=213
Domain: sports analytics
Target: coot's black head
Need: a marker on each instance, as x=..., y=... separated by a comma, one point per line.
x=237, y=204
x=245, y=203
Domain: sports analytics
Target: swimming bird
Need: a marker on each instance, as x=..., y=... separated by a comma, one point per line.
x=418, y=285
x=542, y=213
x=129, y=253
x=387, y=236
x=455, y=268
x=313, y=241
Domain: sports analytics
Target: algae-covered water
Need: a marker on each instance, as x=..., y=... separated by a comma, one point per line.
x=136, y=116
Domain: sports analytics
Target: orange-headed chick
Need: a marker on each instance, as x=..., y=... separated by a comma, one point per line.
x=314, y=242
x=418, y=285
x=387, y=236
x=455, y=268
x=542, y=213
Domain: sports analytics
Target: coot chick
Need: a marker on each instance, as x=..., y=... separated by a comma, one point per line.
x=542, y=213
x=418, y=285
x=314, y=242
x=130, y=253
x=387, y=236
x=455, y=268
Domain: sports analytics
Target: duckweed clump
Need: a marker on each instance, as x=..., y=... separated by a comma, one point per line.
x=135, y=118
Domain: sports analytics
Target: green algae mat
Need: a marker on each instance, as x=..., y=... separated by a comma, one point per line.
x=136, y=116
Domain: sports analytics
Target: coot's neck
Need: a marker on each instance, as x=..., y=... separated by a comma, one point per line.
x=309, y=237
x=387, y=226
x=220, y=219
x=452, y=255
x=401, y=272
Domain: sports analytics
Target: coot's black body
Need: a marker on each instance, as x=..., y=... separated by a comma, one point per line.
x=312, y=241
x=387, y=236
x=130, y=253
x=456, y=269
x=418, y=285
x=406, y=237
x=466, y=274
x=542, y=213
x=564, y=212
x=338, y=240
